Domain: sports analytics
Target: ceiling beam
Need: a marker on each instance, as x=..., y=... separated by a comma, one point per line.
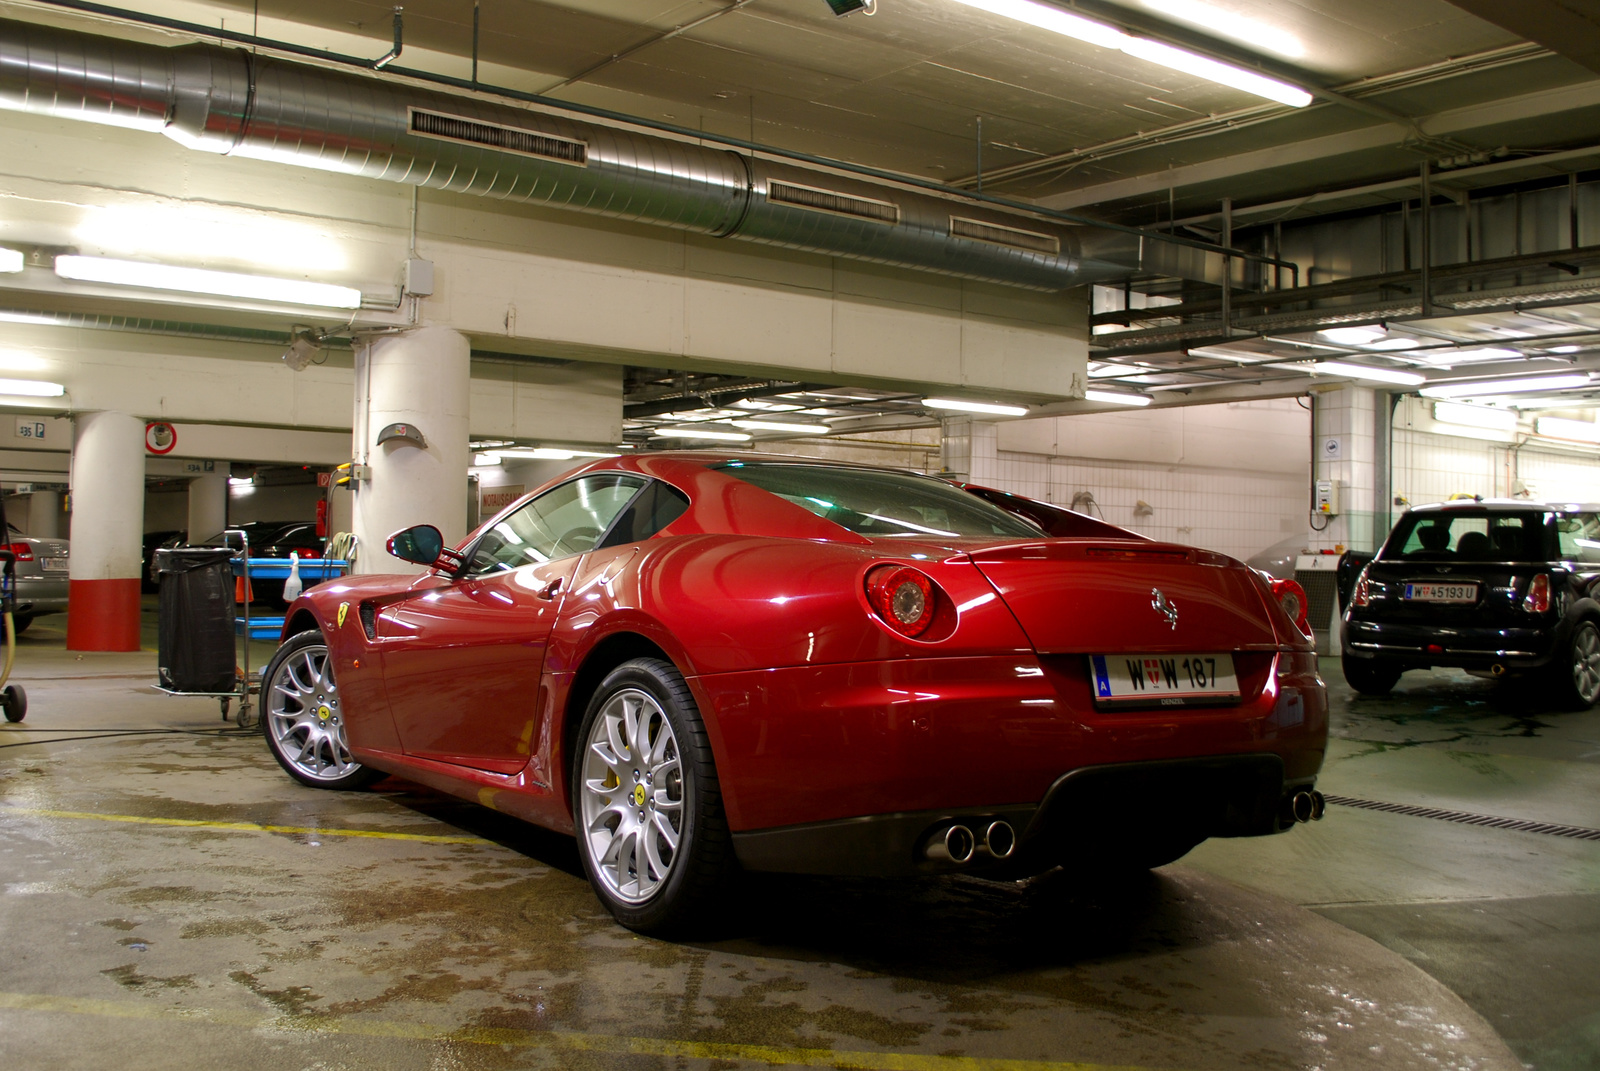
x=1568, y=27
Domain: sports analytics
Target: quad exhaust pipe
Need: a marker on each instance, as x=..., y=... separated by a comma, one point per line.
x=958, y=843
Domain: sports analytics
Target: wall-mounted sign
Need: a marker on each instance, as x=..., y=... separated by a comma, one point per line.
x=29, y=428
x=496, y=499
x=160, y=437
x=1332, y=448
x=199, y=467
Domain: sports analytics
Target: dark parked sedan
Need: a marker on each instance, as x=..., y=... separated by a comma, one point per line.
x=1499, y=588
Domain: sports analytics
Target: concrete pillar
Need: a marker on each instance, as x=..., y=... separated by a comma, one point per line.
x=1346, y=444
x=44, y=515
x=970, y=450
x=107, y=527
x=418, y=378
x=208, y=504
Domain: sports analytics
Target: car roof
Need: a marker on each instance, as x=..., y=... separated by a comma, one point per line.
x=1505, y=505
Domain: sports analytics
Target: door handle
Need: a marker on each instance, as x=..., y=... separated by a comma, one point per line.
x=549, y=590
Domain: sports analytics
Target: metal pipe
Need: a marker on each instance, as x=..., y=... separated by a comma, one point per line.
x=474, y=42
x=394, y=53
x=1227, y=266
x=1427, y=240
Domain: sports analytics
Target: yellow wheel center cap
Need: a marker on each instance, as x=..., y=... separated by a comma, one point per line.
x=324, y=712
x=638, y=795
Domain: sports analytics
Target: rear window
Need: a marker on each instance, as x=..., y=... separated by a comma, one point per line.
x=877, y=504
x=1473, y=536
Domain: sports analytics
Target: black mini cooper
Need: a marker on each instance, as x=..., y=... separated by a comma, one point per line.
x=1499, y=588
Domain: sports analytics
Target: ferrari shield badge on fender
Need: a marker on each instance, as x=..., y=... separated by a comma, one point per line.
x=344, y=608
x=1163, y=605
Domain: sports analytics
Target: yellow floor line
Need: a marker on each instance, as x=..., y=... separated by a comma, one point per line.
x=553, y=1040
x=245, y=827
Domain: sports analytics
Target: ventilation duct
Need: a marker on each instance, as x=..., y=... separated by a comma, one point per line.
x=233, y=102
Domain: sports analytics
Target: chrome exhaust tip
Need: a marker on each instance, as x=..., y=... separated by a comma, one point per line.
x=999, y=840
x=955, y=845
x=1303, y=805
x=1497, y=670
x=1318, y=806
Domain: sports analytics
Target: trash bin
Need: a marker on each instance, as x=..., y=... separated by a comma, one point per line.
x=195, y=651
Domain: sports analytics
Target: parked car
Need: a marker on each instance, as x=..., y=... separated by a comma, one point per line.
x=1499, y=588
x=273, y=539
x=702, y=662
x=41, y=576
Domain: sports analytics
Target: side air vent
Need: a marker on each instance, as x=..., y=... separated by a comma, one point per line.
x=505, y=138
x=1011, y=237
x=839, y=204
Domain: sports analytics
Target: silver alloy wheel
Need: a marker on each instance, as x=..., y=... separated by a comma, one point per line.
x=1586, y=662
x=302, y=711
x=631, y=800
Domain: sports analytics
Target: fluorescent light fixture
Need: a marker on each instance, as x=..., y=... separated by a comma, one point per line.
x=1220, y=21
x=484, y=461
x=1353, y=336
x=700, y=433
x=11, y=260
x=241, y=481
x=545, y=453
x=1474, y=416
x=1367, y=372
x=31, y=388
x=204, y=281
x=975, y=407
x=1484, y=387
x=1046, y=17
x=773, y=425
x=1117, y=397
x=1561, y=428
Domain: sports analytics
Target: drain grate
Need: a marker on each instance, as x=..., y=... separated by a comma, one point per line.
x=1467, y=818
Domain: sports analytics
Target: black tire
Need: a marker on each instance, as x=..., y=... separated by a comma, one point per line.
x=702, y=861
x=20, y=623
x=301, y=720
x=15, y=702
x=1370, y=676
x=1575, y=675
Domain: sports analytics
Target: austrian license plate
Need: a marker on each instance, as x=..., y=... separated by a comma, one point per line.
x=1163, y=680
x=53, y=565
x=1441, y=593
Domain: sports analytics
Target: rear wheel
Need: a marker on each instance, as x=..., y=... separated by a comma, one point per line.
x=646, y=802
x=1577, y=676
x=1370, y=676
x=20, y=623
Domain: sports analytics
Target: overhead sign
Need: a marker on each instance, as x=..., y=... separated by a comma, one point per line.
x=160, y=437
x=29, y=428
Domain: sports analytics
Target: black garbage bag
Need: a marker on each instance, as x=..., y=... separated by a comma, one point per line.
x=195, y=652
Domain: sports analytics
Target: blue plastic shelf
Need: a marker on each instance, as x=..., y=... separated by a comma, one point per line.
x=312, y=570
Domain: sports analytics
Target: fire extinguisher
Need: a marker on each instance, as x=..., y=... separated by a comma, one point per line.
x=322, y=518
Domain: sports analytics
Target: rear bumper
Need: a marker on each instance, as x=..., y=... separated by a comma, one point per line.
x=41, y=595
x=1084, y=813
x=1419, y=646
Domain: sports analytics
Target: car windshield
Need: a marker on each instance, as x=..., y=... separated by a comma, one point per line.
x=876, y=503
x=1469, y=535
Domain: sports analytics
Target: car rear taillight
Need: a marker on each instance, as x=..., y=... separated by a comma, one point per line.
x=1538, y=597
x=304, y=552
x=1292, y=597
x=21, y=552
x=1362, y=596
x=902, y=597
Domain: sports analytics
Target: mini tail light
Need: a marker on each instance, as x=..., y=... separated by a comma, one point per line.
x=902, y=597
x=22, y=552
x=1292, y=597
x=1538, y=597
x=1362, y=596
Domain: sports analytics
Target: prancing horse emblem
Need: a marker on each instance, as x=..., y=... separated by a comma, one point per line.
x=1163, y=605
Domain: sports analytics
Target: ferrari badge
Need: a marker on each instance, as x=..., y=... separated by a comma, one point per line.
x=344, y=608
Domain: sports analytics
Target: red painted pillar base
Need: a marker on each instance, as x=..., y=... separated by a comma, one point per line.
x=103, y=615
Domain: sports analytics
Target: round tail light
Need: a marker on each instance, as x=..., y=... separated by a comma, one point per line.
x=1292, y=597
x=902, y=597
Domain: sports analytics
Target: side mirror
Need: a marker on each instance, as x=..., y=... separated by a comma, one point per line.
x=423, y=544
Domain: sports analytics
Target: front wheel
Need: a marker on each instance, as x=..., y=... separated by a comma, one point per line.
x=1577, y=676
x=646, y=801
x=302, y=720
x=1370, y=676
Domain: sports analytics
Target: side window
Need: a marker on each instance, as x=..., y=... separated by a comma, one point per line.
x=657, y=506
x=564, y=521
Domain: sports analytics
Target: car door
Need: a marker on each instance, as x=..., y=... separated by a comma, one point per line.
x=463, y=657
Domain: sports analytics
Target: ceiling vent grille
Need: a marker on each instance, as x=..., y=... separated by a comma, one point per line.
x=838, y=204
x=1011, y=237
x=506, y=138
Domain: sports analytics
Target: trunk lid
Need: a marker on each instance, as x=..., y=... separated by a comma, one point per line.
x=1099, y=597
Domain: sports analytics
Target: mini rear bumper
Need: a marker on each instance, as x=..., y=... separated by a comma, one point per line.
x=1419, y=646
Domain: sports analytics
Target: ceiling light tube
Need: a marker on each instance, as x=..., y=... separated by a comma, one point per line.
x=1474, y=416
x=774, y=425
x=975, y=407
x=1367, y=372
x=1117, y=397
x=1484, y=387
x=544, y=453
x=1561, y=428
x=1046, y=17
x=205, y=281
x=11, y=260
x=700, y=433
x=31, y=388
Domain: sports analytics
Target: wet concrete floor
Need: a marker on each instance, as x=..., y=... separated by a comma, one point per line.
x=172, y=900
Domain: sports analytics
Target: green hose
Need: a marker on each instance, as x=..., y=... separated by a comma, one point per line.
x=11, y=649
